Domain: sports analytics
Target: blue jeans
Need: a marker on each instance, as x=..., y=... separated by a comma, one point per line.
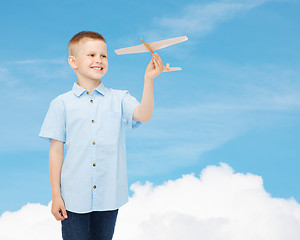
x=97, y=225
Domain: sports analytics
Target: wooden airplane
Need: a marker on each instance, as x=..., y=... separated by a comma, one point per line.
x=151, y=47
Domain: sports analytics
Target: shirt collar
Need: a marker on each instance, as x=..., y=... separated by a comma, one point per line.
x=78, y=90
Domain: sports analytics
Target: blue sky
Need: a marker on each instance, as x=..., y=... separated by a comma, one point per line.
x=236, y=101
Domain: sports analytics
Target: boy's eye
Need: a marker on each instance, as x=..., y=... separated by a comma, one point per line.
x=103, y=56
x=92, y=55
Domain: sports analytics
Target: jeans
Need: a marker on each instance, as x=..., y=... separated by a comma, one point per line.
x=96, y=225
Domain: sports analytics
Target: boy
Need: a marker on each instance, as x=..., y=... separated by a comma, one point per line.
x=90, y=185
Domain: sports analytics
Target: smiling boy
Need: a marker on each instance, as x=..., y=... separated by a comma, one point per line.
x=90, y=184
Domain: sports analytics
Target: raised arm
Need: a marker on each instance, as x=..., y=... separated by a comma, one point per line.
x=143, y=112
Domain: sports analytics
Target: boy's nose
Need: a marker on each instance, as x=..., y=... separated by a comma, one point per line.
x=98, y=59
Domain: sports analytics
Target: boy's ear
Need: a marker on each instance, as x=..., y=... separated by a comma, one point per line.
x=72, y=63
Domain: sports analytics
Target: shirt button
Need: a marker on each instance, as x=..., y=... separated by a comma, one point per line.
x=87, y=92
x=93, y=121
x=94, y=186
x=94, y=164
x=94, y=143
x=91, y=101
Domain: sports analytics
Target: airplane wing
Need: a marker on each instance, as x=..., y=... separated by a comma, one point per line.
x=134, y=49
x=166, y=43
x=154, y=46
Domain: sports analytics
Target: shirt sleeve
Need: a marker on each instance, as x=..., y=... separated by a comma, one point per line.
x=129, y=103
x=54, y=125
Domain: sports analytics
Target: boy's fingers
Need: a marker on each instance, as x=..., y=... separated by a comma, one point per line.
x=158, y=64
x=64, y=212
x=158, y=57
x=58, y=216
x=155, y=63
x=159, y=61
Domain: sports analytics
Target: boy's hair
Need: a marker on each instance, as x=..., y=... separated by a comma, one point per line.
x=83, y=35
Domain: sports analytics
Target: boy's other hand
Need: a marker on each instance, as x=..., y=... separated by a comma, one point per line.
x=154, y=68
x=58, y=209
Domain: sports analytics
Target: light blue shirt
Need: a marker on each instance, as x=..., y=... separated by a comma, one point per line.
x=92, y=126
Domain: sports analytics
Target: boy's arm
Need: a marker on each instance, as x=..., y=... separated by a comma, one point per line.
x=56, y=154
x=143, y=112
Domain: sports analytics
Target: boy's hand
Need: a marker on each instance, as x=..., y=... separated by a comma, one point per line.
x=58, y=209
x=154, y=68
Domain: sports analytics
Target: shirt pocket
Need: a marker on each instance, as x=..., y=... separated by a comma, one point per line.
x=111, y=122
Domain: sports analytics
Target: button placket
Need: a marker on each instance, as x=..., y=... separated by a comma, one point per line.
x=93, y=139
x=92, y=120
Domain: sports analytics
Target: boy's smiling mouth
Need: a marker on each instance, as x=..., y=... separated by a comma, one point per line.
x=97, y=68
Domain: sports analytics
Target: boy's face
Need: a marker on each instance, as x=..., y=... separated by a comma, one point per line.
x=89, y=59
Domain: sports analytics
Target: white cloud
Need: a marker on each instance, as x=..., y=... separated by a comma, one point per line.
x=32, y=222
x=33, y=73
x=218, y=205
x=199, y=19
x=60, y=61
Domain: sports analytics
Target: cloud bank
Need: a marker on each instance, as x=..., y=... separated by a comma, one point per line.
x=218, y=205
